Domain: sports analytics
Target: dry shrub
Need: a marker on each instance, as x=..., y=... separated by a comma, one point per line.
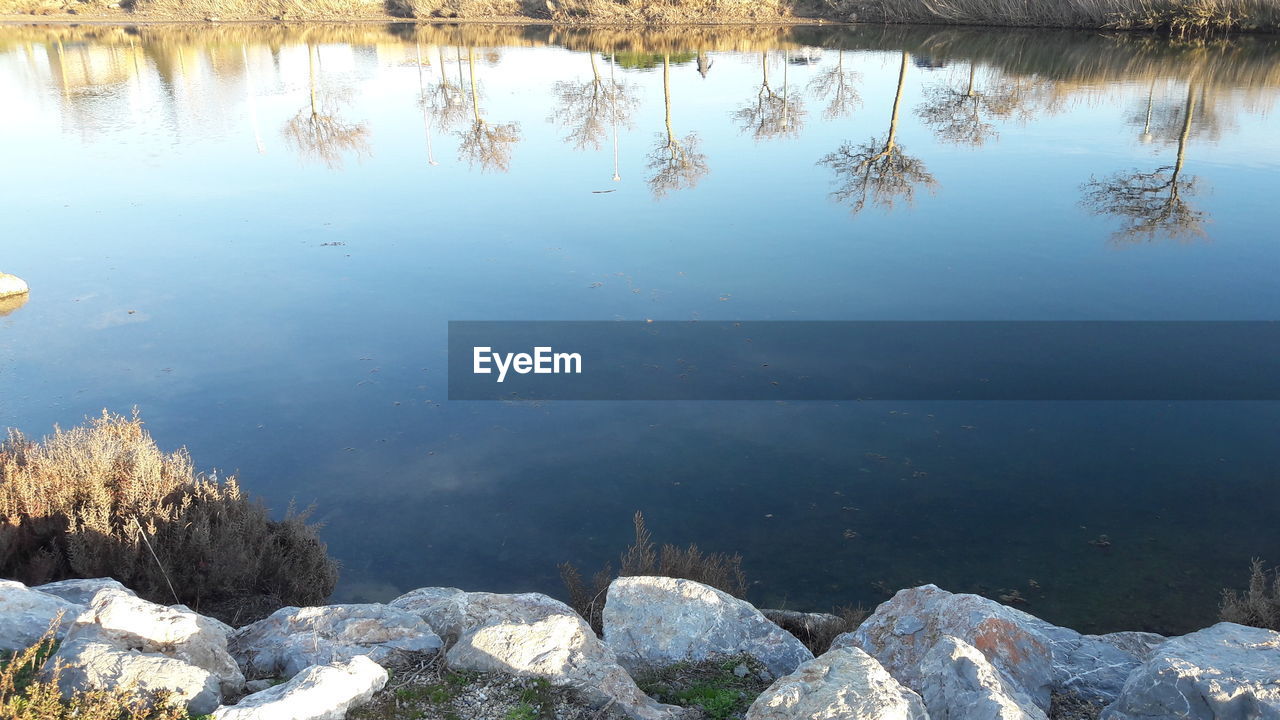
x=665, y=12
x=31, y=7
x=54, y=7
x=29, y=691
x=643, y=558
x=459, y=8
x=1182, y=17
x=103, y=500
x=1258, y=606
x=258, y=9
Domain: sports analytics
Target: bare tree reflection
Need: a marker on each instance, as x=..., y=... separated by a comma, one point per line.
x=675, y=163
x=1152, y=204
x=836, y=86
x=317, y=132
x=426, y=104
x=587, y=110
x=771, y=114
x=445, y=99
x=956, y=115
x=879, y=171
x=483, y=143
x=960, y=115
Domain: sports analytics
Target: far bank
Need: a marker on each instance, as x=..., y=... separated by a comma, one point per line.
x=1181, y=18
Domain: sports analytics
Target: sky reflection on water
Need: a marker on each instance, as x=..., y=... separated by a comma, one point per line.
x=257, y=235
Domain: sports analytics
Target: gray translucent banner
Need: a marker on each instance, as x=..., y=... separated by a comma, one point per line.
x=864, y=360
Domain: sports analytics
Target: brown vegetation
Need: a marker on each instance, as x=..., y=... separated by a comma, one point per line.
x=643, y=558
x=1258, y=606
x=666, y=12
x=29, y=691
x=103, y=500
x=1179, y=17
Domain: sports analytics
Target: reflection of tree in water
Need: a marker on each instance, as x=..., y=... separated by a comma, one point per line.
x=317, y=132
x=771, y=114
x=483, y=143
x=445, y=99
x=586, y=110
x=1162, y=120
x=960, y=115
x=1152, y=204
x=676, y=163
x=879, y=171
x=836, y=86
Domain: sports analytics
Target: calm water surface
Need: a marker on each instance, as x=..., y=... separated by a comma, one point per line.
x=257, y=236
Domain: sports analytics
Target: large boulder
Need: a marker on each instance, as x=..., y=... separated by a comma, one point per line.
x=93, y=660
x=321, y=692
x=1036, y=656
x=81, y=590
x=292, y=639
x=655, y=621
x=25, y=615
x=905, y=628
x=843, y=684
x=530, y=634
x=124, y=641
x=1225, y=672
x=959, y=684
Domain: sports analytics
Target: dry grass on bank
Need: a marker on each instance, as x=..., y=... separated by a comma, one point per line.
x=1180, y=17
x=259, y=9
x=718, y=570
x=103, y=501
x=1258, y=606
x=667, y=12
x=623, y=12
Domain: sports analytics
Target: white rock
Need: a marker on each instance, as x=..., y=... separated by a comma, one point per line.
x=530, y=634
x=959, y=684
x=25, y=615
x=12, y=285
x=81, y=590
x=1225, y=672
x=321, y=692
x=451, y=612
x=125, y=640
x=1138, y=644
x=92, y=660
x=842, y=684
x=656, y=621
x=292, y=639
x=1034, y=655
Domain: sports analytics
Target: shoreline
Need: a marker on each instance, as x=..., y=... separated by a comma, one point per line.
x=669, y=649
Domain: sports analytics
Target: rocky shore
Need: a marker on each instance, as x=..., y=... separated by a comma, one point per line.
x=925, y=653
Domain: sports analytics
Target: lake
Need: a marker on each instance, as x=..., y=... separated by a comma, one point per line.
x=257, y=236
